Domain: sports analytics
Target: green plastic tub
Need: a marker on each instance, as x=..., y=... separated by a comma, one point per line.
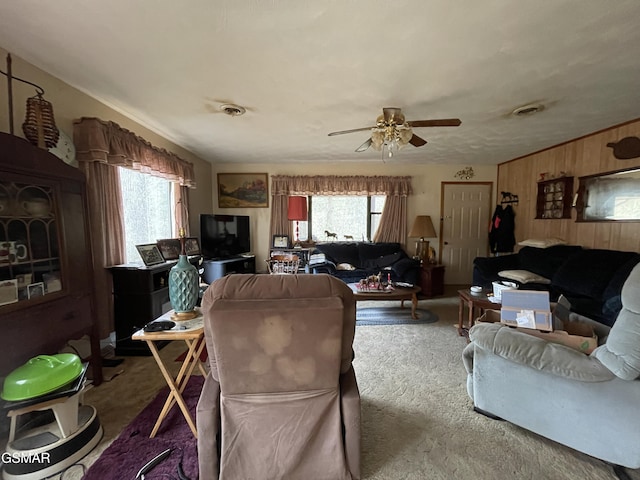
x=40, y=375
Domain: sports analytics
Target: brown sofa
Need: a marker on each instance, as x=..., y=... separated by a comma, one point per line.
x=281, y=400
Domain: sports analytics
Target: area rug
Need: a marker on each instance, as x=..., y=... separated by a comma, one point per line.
x=133, y=448
x=392, y=316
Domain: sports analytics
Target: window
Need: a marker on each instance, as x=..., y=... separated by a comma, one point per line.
x=348, y=217
x=148, y=210
x=612, y=196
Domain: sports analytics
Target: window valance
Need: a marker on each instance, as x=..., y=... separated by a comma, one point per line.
x=106, y=142
x=340, y=185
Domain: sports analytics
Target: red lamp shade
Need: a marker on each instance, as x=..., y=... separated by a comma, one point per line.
x=297, y=209
x=297, y=212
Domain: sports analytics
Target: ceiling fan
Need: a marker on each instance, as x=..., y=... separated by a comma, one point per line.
x=394, y=132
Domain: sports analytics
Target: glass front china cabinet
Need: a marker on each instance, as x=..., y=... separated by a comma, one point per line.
x=46, y=288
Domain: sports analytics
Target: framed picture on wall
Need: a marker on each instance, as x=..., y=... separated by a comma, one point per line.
x=242, y=190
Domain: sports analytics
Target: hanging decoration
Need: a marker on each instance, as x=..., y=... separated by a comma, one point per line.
x=39, y=126
x=465, y=174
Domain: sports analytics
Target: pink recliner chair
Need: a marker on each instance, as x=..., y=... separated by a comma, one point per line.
x=281, y=400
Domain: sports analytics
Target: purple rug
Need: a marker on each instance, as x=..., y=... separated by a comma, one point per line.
x=133, y=448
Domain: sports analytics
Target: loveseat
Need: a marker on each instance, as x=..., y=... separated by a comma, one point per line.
x=591, y=279
x=587, y=402
x=353, y=261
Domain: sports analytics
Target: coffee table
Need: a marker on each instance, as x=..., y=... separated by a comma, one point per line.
x=398, y=293
x=475, y=302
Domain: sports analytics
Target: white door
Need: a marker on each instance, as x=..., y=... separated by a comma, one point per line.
x=464, y=228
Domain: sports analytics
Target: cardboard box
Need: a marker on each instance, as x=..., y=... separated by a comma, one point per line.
x=526, y=309
x=489, y=316
x=576, y=335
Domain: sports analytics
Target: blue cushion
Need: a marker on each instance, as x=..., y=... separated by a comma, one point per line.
x=589, y=272
x=340, y=252
x=545, y=261
x=383, y=261
x=368, y=251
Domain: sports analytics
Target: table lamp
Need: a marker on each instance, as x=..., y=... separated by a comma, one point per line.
x=297, y=211
x=422, y=227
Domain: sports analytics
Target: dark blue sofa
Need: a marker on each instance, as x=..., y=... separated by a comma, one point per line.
x=368, y=259
x=591, y=279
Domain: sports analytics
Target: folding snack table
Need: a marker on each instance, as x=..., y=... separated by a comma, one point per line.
x=192, y=333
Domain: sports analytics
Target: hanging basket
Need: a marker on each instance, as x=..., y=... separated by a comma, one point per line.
x=39, y=126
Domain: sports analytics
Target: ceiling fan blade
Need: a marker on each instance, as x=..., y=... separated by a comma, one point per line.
x=364, y=146
x=443, y=122
x=416, y=141
x=393, y=114
x=342, y=132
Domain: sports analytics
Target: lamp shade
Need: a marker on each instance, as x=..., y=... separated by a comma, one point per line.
x=297, y=209
x=422, y=228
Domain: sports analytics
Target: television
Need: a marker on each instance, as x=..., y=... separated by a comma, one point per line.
x=224, y=236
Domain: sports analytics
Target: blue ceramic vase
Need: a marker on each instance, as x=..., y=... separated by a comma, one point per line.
x=183, y=286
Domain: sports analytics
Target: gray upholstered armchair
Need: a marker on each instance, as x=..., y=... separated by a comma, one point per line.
x=281, y=401
x=588, y=402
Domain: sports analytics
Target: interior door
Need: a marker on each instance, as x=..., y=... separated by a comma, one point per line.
x=464, y=228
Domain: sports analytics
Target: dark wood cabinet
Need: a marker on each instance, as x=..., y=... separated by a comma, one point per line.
x=140, y=295
x=432, y=279
x=554, y=198
x=46, y=278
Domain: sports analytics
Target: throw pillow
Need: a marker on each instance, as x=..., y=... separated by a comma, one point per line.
x=523, y=276
x=345, y=266
x=542, y=242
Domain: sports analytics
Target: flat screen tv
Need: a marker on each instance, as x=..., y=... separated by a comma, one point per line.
x=224, y=236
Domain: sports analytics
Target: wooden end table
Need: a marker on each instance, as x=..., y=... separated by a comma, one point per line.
x=398, y=293
x=475, y=303
x=192, y=333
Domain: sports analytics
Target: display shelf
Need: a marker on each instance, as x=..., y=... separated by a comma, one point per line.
x=554, y=198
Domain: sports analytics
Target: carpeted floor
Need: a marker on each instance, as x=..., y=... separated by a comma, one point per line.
x=117, y=463
x=417, y=420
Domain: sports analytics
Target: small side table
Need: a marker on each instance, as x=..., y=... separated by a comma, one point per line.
x=475, y=303
x=432, y=279
x=192, y=333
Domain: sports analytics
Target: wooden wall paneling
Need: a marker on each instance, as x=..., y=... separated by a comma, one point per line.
x=588, y=155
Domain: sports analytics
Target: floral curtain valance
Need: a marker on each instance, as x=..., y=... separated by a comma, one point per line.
x=340, y=185
x=106, y=142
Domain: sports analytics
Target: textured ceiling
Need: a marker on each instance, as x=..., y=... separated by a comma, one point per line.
x=305, y=68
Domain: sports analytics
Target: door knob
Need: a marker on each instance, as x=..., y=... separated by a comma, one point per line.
x=446, y=243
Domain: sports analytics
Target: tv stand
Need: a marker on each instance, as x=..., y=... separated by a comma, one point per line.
x=214, y=269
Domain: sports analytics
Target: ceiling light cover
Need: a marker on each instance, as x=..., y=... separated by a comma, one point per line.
x=529, y=109
x=233, y=110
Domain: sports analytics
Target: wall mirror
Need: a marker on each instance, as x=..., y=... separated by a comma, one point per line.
x=609, y=197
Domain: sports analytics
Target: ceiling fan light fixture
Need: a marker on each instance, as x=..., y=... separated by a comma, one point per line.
x=405, y=135
x=377, y=139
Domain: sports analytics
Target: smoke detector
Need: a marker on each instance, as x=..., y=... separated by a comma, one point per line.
x=232, y=110
x=527, y=110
